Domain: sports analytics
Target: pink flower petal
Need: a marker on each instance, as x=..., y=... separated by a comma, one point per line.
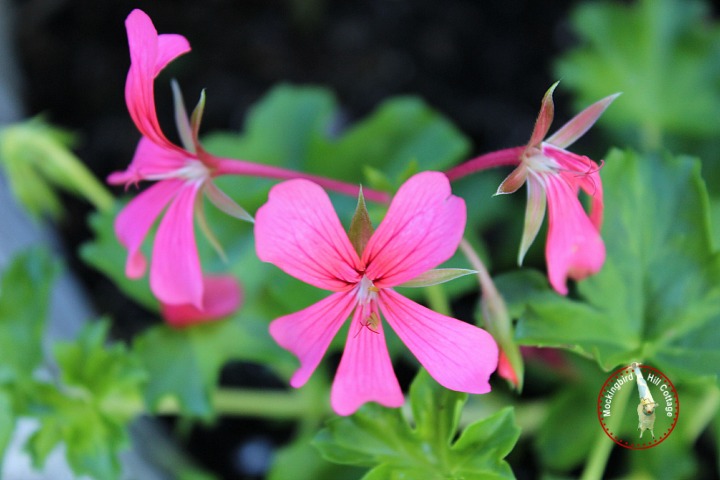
x=457, y=355
x=580, y=123
x=150, y=159
x=175, y=274
x=583, y=172
x=545, y=117
x=365, y=373
x=423, y=228
x=221, y=297
x=308, y=333
x=149, y=53
x=574, y=247
x=134, y=221
x=298, y=231
x=534, y=213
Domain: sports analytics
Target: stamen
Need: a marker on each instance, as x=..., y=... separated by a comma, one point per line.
x=372, y=322
x=193, y=171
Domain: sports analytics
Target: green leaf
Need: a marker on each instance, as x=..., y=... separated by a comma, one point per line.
x=37, y=158
x=656, y=298
x=89, y=412
x=572, y=409
x=381, y=438
x=296, y=127
x=401, y=130
x=662, y=54
x=107, y=255
x=185, y=363
x=300, y=461
x=109, y=373
x=24, y=299
x=7, y=424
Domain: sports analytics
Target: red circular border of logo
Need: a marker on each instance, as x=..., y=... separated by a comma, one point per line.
x=614, y=376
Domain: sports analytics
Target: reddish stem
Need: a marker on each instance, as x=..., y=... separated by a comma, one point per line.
x=499, y=158
x=228, y=166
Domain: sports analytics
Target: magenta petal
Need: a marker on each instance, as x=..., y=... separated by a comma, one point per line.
x=150, y=160
x=422, y=229
x=365, y=373
x=149, y=53
x=583, y=172
x=175, y=274
x=170, y=46
x=458, y=355
x=308, y=333
x=134, y=221
x=221, y=297
x=298, y=231
x=574, y=247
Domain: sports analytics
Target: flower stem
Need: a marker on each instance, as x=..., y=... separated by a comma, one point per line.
x=438, y=300
x=595, y=466
x=275, y=404
x=228, y=166
x=499, y=158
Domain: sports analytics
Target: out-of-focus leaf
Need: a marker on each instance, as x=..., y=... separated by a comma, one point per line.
x=185, y=363
x=401, y=130
x=298, y=128
x=7, y=424
x=88, y=412
x=656, y=298
x=572, y=413
x=301, y=461
x=107, y=255
x=37, y=158
x=664, y=55
x=381, y=438
x=24, y=300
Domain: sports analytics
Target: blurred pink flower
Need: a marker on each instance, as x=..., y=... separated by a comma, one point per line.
x=221, y=297
x=298, y=231
x=553, y=177
x=181, y=174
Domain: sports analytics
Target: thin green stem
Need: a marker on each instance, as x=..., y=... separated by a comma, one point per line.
x=438, y=300
x=595, y=466
x=275, y=404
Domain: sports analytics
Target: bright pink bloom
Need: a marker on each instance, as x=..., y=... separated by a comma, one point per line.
x=553, y=177
x=182, y=173
x=298, y=231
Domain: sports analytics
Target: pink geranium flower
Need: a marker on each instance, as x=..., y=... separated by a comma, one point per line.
x=298, y=231
x=554, y=177
x=182, y=174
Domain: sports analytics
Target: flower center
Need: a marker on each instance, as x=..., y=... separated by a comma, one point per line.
x=367, y=292
x=368, y=314
x=194, y=171
x=539, y=163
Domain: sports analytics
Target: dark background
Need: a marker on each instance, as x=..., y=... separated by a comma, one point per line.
x=483, y=64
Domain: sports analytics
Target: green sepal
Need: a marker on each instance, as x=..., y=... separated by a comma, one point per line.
x=361, y=228
x=437, y=276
